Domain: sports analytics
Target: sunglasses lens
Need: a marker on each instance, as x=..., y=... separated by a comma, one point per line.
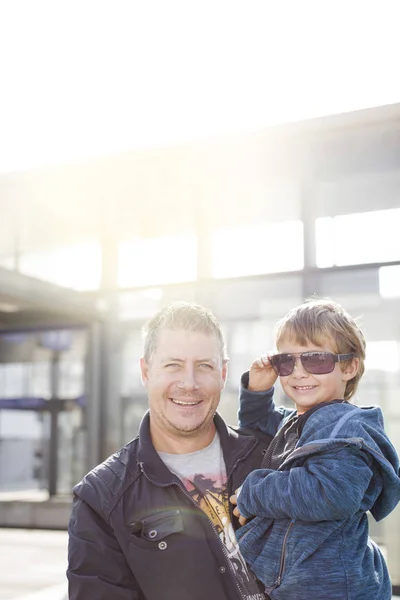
x=318, y=363
x=283, y=364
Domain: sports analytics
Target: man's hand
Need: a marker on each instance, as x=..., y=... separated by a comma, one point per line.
x=233, y=500
x=262, y=376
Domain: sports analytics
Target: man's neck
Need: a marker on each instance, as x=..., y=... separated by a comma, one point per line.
x=180, y=443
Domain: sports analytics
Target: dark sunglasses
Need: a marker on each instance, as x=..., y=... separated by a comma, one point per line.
x=316, y=363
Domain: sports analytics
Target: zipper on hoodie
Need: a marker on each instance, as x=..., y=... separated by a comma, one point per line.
x=222, y=545
x=282, y=561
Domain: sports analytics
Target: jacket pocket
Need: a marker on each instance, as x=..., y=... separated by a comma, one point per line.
x=150, y=532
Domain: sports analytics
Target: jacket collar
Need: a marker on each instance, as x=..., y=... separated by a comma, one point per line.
x=235, y=447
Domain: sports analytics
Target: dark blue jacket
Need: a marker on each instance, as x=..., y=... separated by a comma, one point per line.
x=135, y=533
x=309, y=539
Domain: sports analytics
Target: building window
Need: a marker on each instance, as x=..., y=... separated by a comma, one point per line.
x=389, y=281
x=77, y=266
x=383, y=356
x=359, y=238
x=157, y=261
x=258, y=249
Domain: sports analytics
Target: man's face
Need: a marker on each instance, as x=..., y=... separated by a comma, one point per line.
x=184, y=378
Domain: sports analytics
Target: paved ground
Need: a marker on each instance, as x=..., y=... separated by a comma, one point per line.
x=32, y=564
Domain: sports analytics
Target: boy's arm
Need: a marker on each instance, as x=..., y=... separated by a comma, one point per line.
x=327, y=487
x=257, y=409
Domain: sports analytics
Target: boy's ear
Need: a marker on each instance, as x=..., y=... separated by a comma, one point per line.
x=351, y=369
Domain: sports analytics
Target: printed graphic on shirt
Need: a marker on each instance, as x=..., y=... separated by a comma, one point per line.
x=211, y=494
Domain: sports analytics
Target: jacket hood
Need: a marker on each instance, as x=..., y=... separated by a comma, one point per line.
x=344, y=424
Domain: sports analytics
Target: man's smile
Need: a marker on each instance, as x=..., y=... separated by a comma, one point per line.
x=185, y=402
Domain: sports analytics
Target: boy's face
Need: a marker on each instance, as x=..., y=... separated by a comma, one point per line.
x=307, y=390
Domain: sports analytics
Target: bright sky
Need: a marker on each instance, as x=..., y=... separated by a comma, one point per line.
x=82, y=78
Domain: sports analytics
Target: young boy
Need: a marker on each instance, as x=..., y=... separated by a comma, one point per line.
x=329, y=463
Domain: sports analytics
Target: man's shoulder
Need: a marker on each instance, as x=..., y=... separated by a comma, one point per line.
x=119, y=467
x=109, y=480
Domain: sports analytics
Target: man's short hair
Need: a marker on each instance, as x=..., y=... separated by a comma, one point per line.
x=186, y=316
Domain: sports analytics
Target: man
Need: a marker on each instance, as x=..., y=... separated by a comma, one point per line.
x=154, y=521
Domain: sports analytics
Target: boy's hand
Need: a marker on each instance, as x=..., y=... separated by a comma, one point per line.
x=262, y=376
x=233, y=500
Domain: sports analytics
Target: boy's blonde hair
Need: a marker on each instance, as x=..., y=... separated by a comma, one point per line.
x=317, y=321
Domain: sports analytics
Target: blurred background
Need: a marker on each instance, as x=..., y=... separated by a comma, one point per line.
x=241, y=155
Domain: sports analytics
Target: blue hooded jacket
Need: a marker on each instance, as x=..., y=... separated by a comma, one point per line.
x=309, y=539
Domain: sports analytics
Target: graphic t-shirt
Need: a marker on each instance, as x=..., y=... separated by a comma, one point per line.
x=203, y=473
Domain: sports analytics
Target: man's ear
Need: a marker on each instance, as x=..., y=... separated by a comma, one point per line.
x=224, y=373
x=351, y=370
x=144, y=371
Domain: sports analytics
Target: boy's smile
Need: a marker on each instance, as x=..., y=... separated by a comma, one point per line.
x=307, y=390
